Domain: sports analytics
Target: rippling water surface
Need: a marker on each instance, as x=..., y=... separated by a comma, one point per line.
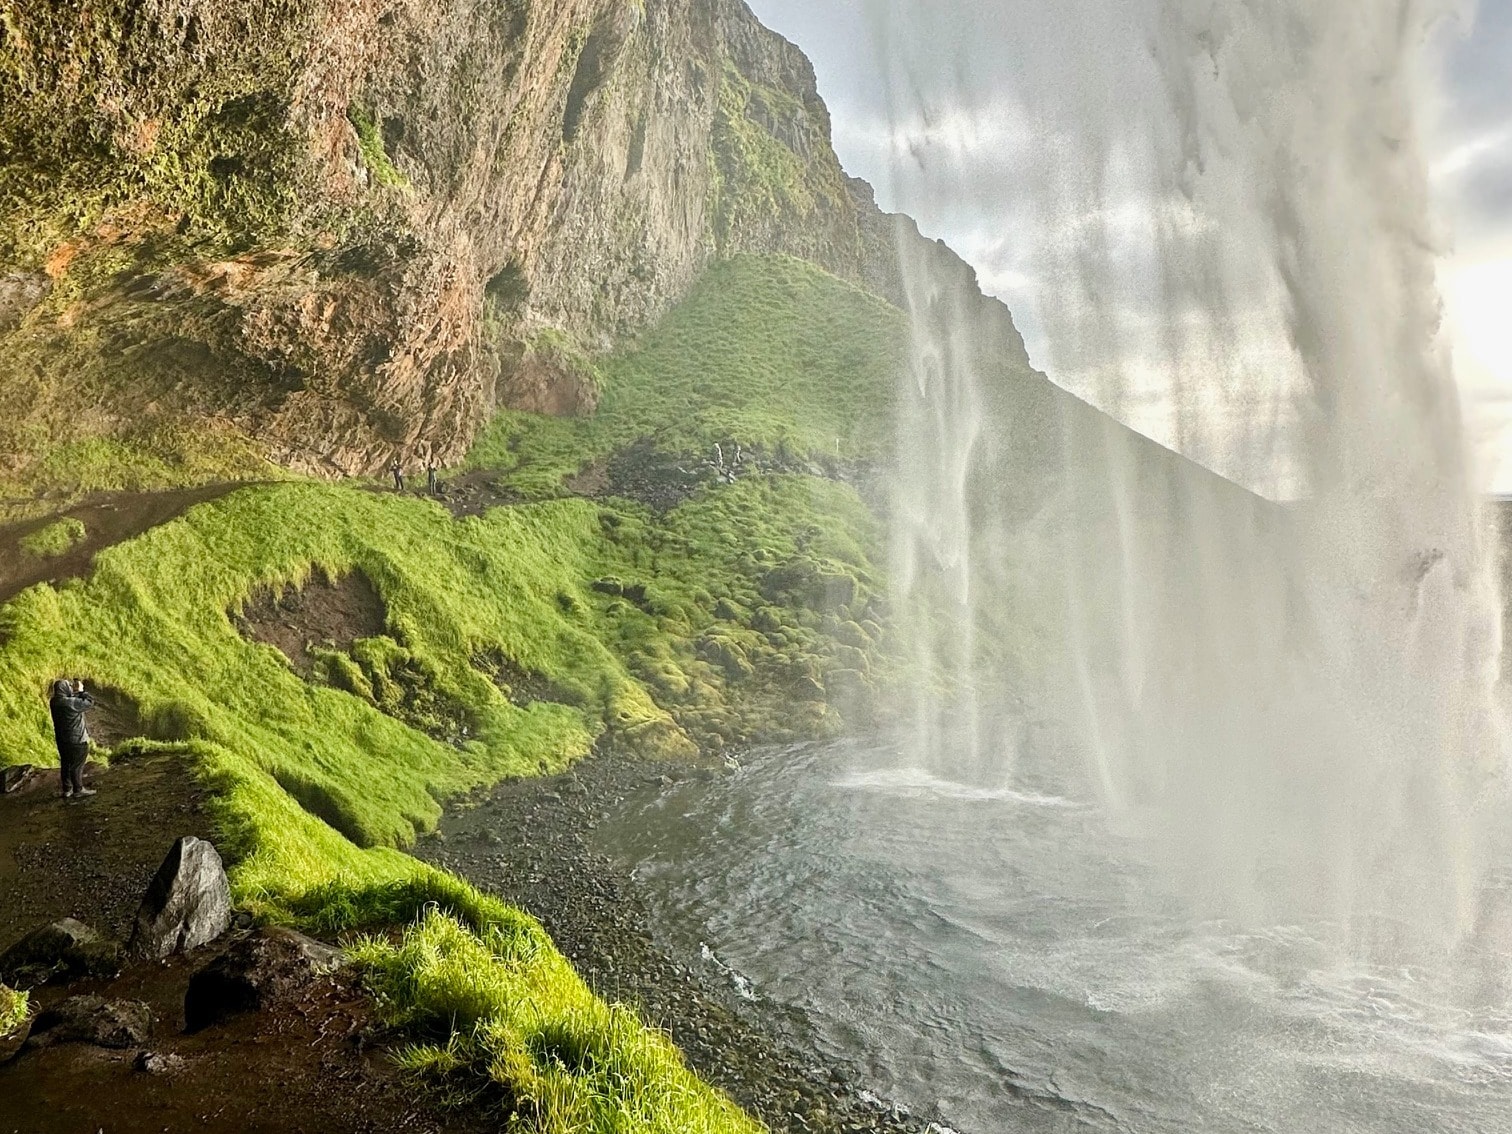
x=993, y=957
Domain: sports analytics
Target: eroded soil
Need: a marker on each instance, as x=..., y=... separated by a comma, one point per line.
x=92, y=858
x=327, y=613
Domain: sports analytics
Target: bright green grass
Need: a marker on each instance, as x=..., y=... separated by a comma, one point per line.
x=151, y=622
x=13, y=1009
x=768, y=351
x=504, y=1011
x=54, y=539
x=177, y=457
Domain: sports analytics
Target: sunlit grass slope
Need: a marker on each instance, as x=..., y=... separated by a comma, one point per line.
x=767, y=351
x=313, y=787
x=743, y=614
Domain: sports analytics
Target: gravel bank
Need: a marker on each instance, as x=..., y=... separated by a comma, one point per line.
x=528, y=842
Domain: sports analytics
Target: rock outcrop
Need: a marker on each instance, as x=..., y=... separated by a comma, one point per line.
x=94, y=1020
x=261, y=968
x=349, y=229
x=188, y=903
x=62, y=950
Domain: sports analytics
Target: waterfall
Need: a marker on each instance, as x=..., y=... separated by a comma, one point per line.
x=1224, y=211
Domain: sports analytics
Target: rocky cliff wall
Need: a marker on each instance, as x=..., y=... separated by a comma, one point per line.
x=346, y=227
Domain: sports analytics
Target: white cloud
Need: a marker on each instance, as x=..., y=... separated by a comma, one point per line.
x=1471, y=153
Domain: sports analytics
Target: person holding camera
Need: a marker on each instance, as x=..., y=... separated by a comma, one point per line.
x=69, y=704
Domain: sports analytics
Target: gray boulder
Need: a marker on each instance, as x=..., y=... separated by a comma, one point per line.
x=14, y=777
x=93, y=1020
x=266, y=966
x=187, y=905
x=62, y=950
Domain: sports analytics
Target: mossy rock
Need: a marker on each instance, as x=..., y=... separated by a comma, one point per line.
x=809, y=584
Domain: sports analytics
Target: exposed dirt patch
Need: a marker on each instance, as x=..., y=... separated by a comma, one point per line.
x=327, y=613
x=317, y=629
x=661, y=481
x=473, y=493
x=116, y=718
x=527, y=841
x=316, y=1064
x=108, y=519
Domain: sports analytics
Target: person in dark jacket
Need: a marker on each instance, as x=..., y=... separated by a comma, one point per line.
x=69, y=704
x=432, y=485
x=396, y=470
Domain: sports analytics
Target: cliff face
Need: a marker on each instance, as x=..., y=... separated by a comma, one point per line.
x=346, y=228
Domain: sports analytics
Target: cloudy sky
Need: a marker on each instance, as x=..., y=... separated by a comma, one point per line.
x=919, y=165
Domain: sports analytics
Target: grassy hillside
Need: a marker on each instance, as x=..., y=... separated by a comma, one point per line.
x=749, y=611
x=767, y=351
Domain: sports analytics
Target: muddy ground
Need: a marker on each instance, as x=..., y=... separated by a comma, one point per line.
x=528, y=842
x=314, y=1066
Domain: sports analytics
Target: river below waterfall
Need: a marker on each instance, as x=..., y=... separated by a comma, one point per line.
x=995, y=958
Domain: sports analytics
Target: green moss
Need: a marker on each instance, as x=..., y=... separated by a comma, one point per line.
x=13, y=1010
x=758, y=180
x=767, y=351
x=86, y=131
x=54, y=539
x=374, y=155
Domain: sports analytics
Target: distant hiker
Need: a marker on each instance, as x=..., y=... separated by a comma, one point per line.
x=397, y=470
x=431, y=484
x=69, y=703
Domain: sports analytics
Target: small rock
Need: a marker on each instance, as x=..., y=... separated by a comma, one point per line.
x=267, y=965
x=187, y=905
x=64, y=949
x=14, y=777
x=93, y=1020
x=158, y=1063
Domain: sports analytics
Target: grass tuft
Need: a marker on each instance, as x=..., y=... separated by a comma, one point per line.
x=14, y=1007
x=509, y=1014
x=767, y=351
x=55, y=539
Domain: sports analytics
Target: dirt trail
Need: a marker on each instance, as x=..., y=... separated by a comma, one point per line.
x=92, y=858
x=318, y=1065
x=108, y=519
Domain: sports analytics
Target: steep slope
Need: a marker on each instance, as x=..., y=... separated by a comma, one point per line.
x=346, y=229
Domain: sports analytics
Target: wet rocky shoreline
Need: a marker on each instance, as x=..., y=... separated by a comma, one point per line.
x=529, y=841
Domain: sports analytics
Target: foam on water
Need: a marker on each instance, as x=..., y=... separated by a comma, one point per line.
x=1046, y=980
x=921, y=782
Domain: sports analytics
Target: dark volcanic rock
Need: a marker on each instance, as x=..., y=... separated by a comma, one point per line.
x=19, y=293
x=265, y=966
x=187, y=905
x=66, y=948
x=93, y=1020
